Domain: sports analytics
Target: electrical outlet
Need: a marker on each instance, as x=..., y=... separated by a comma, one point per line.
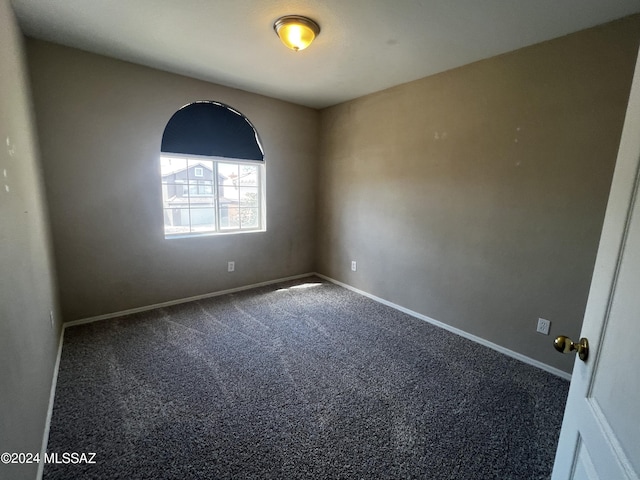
x=51, y=317
x=543, y=326
x=231, y=267
x=354, y=266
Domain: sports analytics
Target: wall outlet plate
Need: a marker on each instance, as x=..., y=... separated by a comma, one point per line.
x=354, y=266
x=543, y=326
x=231, y=266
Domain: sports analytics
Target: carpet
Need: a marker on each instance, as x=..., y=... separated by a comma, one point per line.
x=302, y=379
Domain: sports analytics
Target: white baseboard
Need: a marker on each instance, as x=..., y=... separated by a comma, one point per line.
x=182, y=300
x=52, y=396
x=54, y=380
x=457, y=331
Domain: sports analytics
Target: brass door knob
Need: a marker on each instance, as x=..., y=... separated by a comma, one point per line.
x=565, y=345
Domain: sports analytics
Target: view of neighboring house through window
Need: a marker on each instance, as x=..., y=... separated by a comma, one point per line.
x=205, y=195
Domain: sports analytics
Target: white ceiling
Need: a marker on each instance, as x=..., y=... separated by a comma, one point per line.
x=364, y=45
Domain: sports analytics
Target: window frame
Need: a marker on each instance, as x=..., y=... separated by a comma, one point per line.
x=219, y=230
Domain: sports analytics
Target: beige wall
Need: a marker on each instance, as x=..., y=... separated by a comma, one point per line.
x=100, y=124
x=28, y=341
x=476, y=197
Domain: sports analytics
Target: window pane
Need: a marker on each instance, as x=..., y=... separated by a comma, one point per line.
x=201, y=201
x=248, y=196
x=171, y=194
x=249, y=217
x=176, y=220
x=228, y=194
x=200, y=187
x=200, y=169
x=170, y=168
x=229, y=218
x=203, y=219
x=248, y=175
x=205, y=188
x=229, y=171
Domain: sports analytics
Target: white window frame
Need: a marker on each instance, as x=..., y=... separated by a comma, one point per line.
x=218, y=230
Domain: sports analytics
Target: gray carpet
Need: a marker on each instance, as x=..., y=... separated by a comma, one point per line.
x=303, y=379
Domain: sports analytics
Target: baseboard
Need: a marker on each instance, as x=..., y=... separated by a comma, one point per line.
x=52, y=395
x=54, y=380
x=457, y=331
x=182, y=300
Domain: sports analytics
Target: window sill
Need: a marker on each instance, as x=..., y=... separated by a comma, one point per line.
x=211, y=234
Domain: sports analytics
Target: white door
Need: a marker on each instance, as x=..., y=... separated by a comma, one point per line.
x=600, y=437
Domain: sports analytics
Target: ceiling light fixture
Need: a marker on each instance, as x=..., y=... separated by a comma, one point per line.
x=296, y=32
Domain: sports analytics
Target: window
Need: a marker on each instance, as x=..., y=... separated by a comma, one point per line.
x=227, y=197
x=212, y=169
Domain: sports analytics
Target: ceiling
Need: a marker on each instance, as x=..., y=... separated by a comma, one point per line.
x=364, y=45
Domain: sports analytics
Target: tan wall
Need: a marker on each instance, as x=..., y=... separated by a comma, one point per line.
x=476, y=197
x=100, y=123
x=28, y=341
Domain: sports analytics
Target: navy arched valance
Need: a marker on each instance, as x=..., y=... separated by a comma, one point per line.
x=211, y=129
